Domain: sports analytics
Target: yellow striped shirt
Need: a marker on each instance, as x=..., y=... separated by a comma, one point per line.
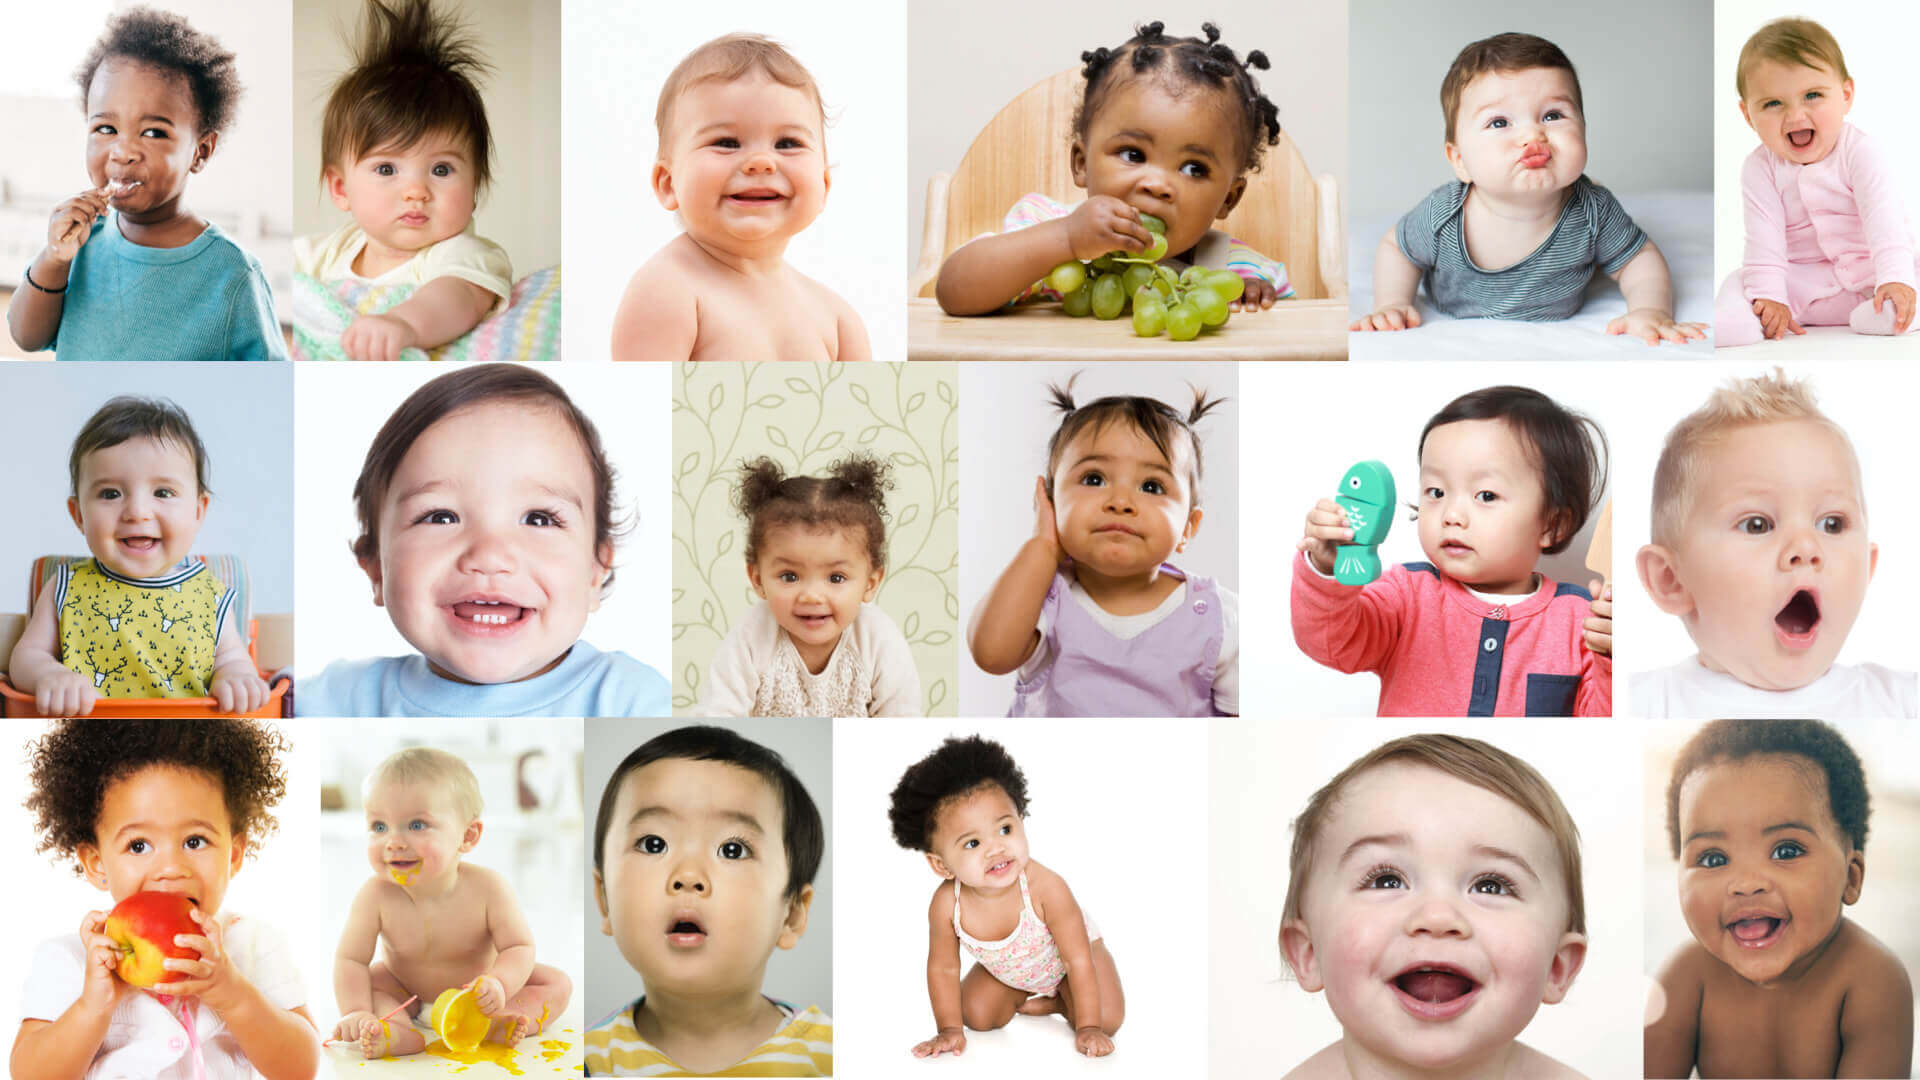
x=804, y=1047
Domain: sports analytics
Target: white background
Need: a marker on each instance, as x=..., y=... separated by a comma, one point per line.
x=275, y=884
x=240, y=411
x=1333, y=420
x=1118, y=824
x=341, y=406
x=1861, y=398
x=1262, y=775
x=1006, y=417
x=617, y=57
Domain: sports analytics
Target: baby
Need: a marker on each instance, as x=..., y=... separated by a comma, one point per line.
x=1434, y=894
x=1506, y=475
x=742, y=162
x=129, y=273
x=1828, y=243
x=816, y=550
x=704, y=853
x=1760, y=547
x=445, y=923
x=486, y=529
x=1168, y=126
x=141, y=618
x=1036, y=953
x=162, y=806
x=1769, y=821
x=1089, y=612
x=1519, y=233
x=407, y=152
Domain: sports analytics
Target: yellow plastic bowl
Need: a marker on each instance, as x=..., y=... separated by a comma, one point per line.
x=458, y=1020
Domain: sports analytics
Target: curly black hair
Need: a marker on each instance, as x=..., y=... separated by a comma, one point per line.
x=853, y=495
x=1821, y=747
x=163, y=40
x=1196, y=63
x=72, y=766
x=959, y=768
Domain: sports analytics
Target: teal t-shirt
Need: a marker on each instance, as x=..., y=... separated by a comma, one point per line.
x=207, y=300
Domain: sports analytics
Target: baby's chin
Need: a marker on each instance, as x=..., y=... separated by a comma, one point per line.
x=1771, y=672
x=415, y=239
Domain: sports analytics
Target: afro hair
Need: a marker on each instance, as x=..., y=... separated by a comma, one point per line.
x=166, y=41
x=959, y=767
x=1817, y=744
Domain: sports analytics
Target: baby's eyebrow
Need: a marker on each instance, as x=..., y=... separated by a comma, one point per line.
x=148, y=827
x=738, y=817
x=1492, y=852
x=1398, y=839
x=1098, y=458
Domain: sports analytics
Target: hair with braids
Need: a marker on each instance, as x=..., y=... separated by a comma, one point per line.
x=853, y=495
x=1151, y=417
x=1193, y=61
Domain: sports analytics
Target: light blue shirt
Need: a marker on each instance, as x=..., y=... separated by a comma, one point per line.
x=207, y=300
x=587, y=683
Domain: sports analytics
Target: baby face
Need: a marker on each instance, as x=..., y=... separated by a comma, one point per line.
x=1437, y=918
x=1519, y=133
x=979, y=839
x=693, y=889
x=1171, y=152
x=415, y=833
x=814, y=581
x=487, y=562
x=164, y=829
x=1764, y=867
x=1796, y=110
x=748, y=166
x=140, y=506
x=143, y=137
x=1774, y=554
x=1121, y=508
x=412, y=198
x=1482, y=510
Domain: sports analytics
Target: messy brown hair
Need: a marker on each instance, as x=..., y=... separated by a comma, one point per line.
x=415, y=73
x=728, y=58
x=1800, y=42
x=853, y=495
x=1501, y=53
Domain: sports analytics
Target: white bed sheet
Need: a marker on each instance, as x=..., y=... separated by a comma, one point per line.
x=1681, y=222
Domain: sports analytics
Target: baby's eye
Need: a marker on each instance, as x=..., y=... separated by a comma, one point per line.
x=1834, y=524
x=837, y=578
x=103, y=129
x=377, y=828
x=417, y=825
x=1788, y=849
x=789, y=577
x=443, y=170
x=541, y=518
x=383, y=169
x=735, y=849
x=970, y=845
x=1485, y=496
x=1092, y=479
x=438, y=517
x=1497, y=123
x=1492, y=885
x=1710, y=860
x=1770, y=103
x=726, y=142
x=195, y=843
x=164, y=493
x=1811, y=94
x=157, y=133
x=1434, y=493
x=1384, y=878
x=1196, y=169
x=1554, y=114
x=137, y=847
x=1006, y=830
x=651, y=844
x=789, y=143
x=1154, y=487
x=1754, y=525
x=109, y=493
x=1133, y=155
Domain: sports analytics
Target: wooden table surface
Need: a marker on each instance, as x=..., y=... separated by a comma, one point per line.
x=1290, y=330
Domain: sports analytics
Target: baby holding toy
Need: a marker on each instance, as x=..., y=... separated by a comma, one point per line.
x=1520, y=231
x=1828, y=241
x=742, y=162
x=1760, y=547
x=444, y=923
x=1167, y=126
x=1506, y=475
x=407, y=152
x=141, y=618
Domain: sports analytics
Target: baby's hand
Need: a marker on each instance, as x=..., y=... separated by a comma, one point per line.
x=1389, y=317
x=65, y=693
x=1045, y=529
x=378, y=337
x=245, y=691
x=1092, y=1042
x=211, y=978
x=1599, y=633
x=1654, y=326
x=101, y=985
x=1326, y=530
x=949, y=1041
x=489, y=994
x=72, y=223
x=1104, y=223
x=1776, y=319
x=1902, y=298
x=1259, y=296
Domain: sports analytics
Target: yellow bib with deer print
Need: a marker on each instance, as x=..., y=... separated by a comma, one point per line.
x=141, y=637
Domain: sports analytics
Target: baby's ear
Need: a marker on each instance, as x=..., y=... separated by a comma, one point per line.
x=1873, y=560
x=1193, y=526
x=1296, y=945
x=663, y=186
x=600, y=898
x=1661, y=578
x=1459, y=164
x=371, y=567
x=88, y=856
x=1234, y=194
x=604, y=558
x=238, y=856
x=203, y=150
x=472, y=836
x=336, y=182
x=73, y=511
x=873, y=582
x=796, y=922
x=1567, y=962
x=939, y=865
x=753, y=578
x=1856, y=876
x=1077, y=161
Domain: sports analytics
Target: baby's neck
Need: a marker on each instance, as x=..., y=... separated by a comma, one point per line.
x=765, y=258
x=1126, y=594
x=1522, y=211
x=167, y=226
x=376, y=259
x=708, y=1032
x=1501, y=1063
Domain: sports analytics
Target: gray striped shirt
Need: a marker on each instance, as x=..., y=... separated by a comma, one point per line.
x=1549, y=284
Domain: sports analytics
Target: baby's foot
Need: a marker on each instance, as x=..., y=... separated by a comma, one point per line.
x=1040, y=1006
x=509, y=1028
x=379, y=1038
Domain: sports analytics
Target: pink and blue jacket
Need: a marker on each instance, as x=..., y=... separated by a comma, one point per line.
x=1815, y=230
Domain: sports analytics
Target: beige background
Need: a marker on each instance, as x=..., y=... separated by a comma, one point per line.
x=967, y=61
x=521, y=39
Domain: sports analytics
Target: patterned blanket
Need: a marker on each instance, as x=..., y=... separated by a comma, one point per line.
x=529, y=328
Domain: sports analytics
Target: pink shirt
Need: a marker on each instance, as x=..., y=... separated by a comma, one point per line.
x=1441, y=651
x=1814, y=230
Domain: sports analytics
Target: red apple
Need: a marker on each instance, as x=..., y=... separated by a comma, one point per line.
x=144, y=925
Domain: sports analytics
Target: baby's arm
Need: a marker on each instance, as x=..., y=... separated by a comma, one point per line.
x=943, y=978
x=353, y=961
x=659, y=316
x=1883, y=217
x=438, y=312
x=64, y=1048
x=33, y=315
x=1671, y=1042
x=1069, y=929
x=1345, y=627
x=982, y=276
x=849, y=331
x=512, y=943
x=34, y=669
x=732, y=678
x=1215, y=251
x=1763, y=267
x=1595, y=694
x=1396, y=280
x=237, y=687
x=1876, y=1020
x=1648, y=287
x=1005, y=628
x=896, y=678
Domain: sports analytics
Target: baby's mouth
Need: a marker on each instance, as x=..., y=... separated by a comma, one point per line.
x=1456, y=548
x=1536, y=157
x=1798, y=621
x=1757, y=932
x=1801, y=139
x=1000, y=868
x=1435, y=992
x=756, y=196
x=686, y=932
x=489, y=612
x=120, y=189
x=139, y=543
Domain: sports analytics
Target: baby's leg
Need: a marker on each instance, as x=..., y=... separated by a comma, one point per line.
x=987, y=1003
x=544, y=997
x=1734, y=322
x=395, y=1036
x=1113, y=1002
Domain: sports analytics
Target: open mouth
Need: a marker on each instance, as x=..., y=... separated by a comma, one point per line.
x=138, y=543
x=1000, y=868
x=489, y=612
x=120, y=189
x=686, y=931
x=1435, y=991
x=1797, y=622
x=1536, y=158
x=1757, y=932
x=1801, y=139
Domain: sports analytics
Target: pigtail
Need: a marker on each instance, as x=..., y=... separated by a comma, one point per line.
x=1095, y=62
x=1062, y=396
x=760, y=482
x=1205, y=61
x=1202, y=405
x=863, y=478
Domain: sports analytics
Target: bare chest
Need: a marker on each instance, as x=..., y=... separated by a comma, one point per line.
x=765, y=322
x=986, y=920
x=433, y=946
x=1748, y=1031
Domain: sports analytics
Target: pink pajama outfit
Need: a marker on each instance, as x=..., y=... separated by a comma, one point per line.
x=1820, y=239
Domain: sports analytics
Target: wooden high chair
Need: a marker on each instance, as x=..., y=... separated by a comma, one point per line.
x=1286, y=214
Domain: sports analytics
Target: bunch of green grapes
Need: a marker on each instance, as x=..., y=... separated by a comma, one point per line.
x=1180, y=304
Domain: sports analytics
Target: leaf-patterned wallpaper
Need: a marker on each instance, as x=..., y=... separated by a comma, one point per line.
x=806, y=416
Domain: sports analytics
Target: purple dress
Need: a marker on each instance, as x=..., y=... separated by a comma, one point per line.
x=1165, y=670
